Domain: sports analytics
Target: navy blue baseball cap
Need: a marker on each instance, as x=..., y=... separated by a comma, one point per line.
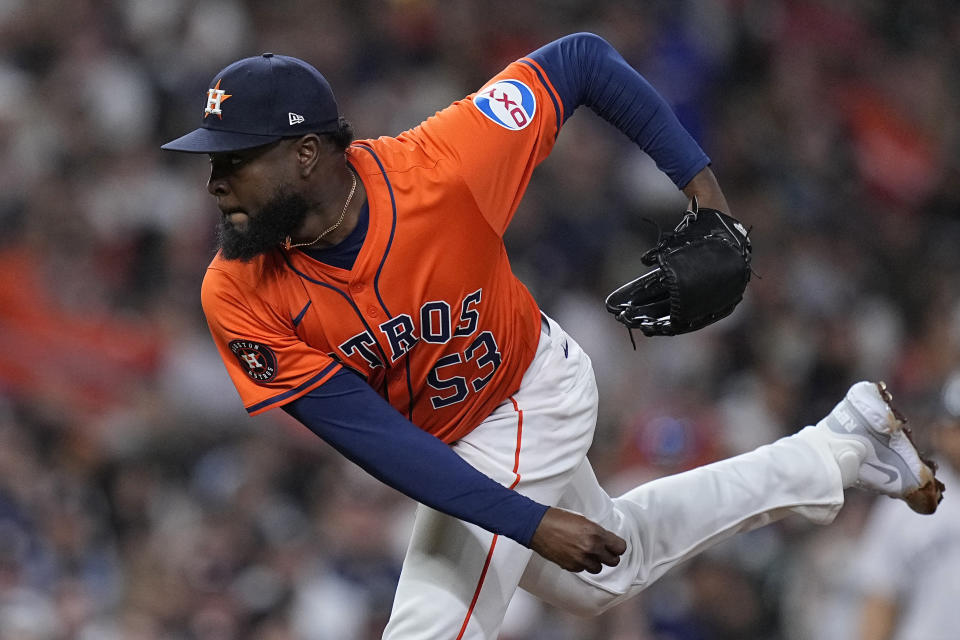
x=258, y=100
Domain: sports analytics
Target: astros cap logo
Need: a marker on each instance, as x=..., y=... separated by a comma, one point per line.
x=215, y=96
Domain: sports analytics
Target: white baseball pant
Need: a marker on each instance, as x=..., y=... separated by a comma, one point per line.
x=457, y=578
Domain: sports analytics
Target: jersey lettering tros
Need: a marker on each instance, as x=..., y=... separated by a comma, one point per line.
x=431, y=313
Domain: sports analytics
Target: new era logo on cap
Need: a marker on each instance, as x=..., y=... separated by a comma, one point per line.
x=270, y=97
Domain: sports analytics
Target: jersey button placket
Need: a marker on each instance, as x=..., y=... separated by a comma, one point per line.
x=372, y=311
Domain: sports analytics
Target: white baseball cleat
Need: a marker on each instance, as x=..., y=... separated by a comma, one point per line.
x=889, y=463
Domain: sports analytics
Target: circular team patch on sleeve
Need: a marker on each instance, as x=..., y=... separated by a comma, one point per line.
x=509, y=103
x=257, y=360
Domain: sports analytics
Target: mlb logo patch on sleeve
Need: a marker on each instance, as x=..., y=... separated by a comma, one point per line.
x=509, y=103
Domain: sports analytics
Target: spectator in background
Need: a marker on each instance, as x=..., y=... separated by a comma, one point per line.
x=908, y=566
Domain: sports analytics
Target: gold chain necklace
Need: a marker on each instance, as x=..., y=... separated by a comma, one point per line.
x=287, y=245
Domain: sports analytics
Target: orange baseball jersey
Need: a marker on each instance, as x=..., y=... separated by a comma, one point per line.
x=431, y=313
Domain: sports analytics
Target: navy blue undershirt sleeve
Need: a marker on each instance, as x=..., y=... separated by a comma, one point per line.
x=586, y=70
x=347, y=413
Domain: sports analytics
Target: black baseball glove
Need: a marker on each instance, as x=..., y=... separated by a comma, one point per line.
x=700, y=272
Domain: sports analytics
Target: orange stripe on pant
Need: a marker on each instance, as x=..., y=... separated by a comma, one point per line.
x=493, y=543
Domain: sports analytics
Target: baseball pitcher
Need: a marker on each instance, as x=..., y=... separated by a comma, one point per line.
x=363, y=287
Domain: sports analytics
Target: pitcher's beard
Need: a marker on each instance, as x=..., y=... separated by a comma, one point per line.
x=266, y=228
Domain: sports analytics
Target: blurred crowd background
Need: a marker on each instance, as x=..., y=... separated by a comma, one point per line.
x=137, y=499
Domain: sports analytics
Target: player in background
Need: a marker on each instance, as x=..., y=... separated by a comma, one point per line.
x=913, y=593
x=364, y=288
